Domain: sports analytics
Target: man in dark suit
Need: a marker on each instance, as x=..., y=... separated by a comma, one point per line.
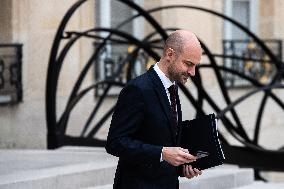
x=147, y=119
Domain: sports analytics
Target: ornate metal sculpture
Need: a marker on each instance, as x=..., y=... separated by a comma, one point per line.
x=245, y=155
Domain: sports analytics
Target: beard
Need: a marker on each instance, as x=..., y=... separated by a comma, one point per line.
x=182, y=78
x=176, y=75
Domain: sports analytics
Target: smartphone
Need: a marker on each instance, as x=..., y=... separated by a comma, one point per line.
x=201, y=154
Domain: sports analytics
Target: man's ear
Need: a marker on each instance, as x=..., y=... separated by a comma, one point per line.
x=170, y=53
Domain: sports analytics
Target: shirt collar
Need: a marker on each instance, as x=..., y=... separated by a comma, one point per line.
x=165, y=80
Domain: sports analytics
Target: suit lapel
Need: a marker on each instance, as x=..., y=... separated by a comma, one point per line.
x=163, y=99
x=179, y=119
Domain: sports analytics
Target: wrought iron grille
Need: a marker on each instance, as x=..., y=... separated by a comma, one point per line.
x=112, y=63
x=246, y=57
x=250, y=149
x=10, y=74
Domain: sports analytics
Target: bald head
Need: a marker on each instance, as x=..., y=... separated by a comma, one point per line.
x=182, y=53
x=181, y=39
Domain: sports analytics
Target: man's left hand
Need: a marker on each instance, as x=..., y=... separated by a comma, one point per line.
x=190, y=172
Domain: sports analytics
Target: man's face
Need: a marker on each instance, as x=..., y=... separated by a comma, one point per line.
x=183, y=64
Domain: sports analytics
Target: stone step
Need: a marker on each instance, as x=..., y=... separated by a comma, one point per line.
x=223, y=177
x=219, y=178
x=263, y=185
x=91, y=168
x=28, y=169
x=108, y=186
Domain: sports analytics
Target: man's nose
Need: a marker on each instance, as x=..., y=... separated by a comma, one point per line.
x=191, y=72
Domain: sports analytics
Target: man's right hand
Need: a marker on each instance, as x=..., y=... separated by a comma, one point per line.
x=177, y=156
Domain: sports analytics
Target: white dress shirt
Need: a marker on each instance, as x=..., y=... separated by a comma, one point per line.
x=165, y=80
x=166, y=83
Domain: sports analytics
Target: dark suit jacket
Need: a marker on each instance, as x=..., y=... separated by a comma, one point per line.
x=141, y=125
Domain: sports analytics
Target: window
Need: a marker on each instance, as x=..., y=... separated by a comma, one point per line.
x=109, y=14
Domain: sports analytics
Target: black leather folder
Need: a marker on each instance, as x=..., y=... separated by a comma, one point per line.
x=200, y=136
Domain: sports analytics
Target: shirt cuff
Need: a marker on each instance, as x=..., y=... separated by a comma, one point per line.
x=161, y=158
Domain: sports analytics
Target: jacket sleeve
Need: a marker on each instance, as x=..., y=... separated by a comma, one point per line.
x=127, y=118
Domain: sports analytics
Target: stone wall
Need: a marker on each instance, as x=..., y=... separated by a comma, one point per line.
x=270, y=20
x=6, y=21
x=34, y=24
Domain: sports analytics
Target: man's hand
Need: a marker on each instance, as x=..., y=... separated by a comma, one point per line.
x=189, y=172
x=177, y=156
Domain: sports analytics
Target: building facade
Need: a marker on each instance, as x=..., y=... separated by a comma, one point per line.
x=33, y=23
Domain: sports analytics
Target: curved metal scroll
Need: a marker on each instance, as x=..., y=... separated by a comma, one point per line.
x=244, y=155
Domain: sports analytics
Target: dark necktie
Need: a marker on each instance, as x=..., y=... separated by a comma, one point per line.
x=173, y=94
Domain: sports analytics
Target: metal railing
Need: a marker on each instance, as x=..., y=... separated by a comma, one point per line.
x=246, y=57
x=11, y=91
